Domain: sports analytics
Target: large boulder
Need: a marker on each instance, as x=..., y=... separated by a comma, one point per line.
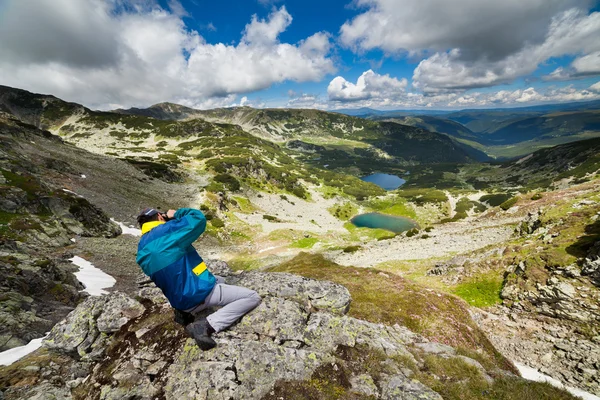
x=83, y=332
x=297, y=343
x=320, y=295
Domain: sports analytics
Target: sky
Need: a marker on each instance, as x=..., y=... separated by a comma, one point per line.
x=327, y=54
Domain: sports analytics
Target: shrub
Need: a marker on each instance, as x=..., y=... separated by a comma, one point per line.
x=217, y=222
x=228, y=181
x=412, y=232
x=351, y=249
x=423, y=196
x=536, y=196
x=271, y=218
x=509, y=203
x=495, y=199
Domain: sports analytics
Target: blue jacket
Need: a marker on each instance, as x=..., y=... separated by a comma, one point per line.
x=167, y=256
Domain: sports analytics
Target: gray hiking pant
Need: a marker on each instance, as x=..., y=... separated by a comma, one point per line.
x=235, y=302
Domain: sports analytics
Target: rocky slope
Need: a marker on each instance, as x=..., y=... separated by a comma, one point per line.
x=37, y=287
x=298, y=343
x=51, y=195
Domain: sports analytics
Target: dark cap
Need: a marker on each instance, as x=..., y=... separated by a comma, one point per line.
x=148, y=212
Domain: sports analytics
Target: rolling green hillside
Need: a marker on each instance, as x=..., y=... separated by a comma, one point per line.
x=543, y=127
x=164, y=111
x=510, y=134
x=574, y=162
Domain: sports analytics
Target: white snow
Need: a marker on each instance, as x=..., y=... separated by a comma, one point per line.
x=534, y=375
x=128, y=230
x=10, y=356
x=94, y=279
x=72, y=192
x=83, y=176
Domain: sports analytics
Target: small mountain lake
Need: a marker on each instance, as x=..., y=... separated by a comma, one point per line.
x=385, y=181
x=382, y=221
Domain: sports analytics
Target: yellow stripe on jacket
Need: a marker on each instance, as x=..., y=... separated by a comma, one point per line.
x=200, y=268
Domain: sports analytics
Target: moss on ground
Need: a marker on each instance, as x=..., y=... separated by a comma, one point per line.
x=244, y=204
x=25, y=372
x=480, y=290
x=343, y=211
x=382, y=298
x=455, y=379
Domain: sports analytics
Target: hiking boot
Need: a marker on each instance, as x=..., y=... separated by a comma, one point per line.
x=183, y=318
x=201, y=331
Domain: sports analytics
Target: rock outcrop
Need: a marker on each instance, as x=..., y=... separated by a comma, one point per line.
x=298, y=337
x=37, y=216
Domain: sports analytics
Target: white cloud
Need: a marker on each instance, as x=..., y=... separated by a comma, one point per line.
x=307, y=101
x=571, y=32
x=475, y=43
x=581, y=67
x=177, y=8
x=401, y=99
x=369, y=85
x=141, y=54
x=494, y=29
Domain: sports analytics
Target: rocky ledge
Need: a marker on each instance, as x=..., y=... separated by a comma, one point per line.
x=298, y=343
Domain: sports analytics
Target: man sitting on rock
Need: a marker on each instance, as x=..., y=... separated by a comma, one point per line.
x=166, y=255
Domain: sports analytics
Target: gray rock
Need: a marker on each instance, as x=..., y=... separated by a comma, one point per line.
x=322, y=295
x=283, y=320
x=46, y=391
x=530, y=224
x=399, y=387
x=436, y=348
x=80, y=332
x=286, y=338
x=477, y=364
x=117, y=311
x=237, y=369
x=153, y=294
x=364, y=384
x=218, y=267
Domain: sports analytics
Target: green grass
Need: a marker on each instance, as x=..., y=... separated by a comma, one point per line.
x=244, y=204
x=423, y=196
x=343, y=211
x=455, y=379
x=397, y=206
x=483, y=291
x=305, y=243
x=359, y=234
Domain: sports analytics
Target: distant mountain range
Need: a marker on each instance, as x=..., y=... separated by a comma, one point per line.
x=543, y=108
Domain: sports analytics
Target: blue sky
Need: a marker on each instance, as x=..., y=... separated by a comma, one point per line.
x=384, y=54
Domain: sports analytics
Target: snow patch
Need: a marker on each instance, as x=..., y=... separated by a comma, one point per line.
x=128, y=230
x=94, y=279
x=16, y=353
x=83, y=176
x=72, y=192
x=534, y=375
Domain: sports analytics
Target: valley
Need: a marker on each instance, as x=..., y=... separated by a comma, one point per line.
x=505, y=251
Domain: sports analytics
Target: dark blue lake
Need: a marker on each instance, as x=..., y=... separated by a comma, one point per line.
x=385, y=181
x=382, y=221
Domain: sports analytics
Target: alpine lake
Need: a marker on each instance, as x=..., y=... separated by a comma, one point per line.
x=382, y=221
